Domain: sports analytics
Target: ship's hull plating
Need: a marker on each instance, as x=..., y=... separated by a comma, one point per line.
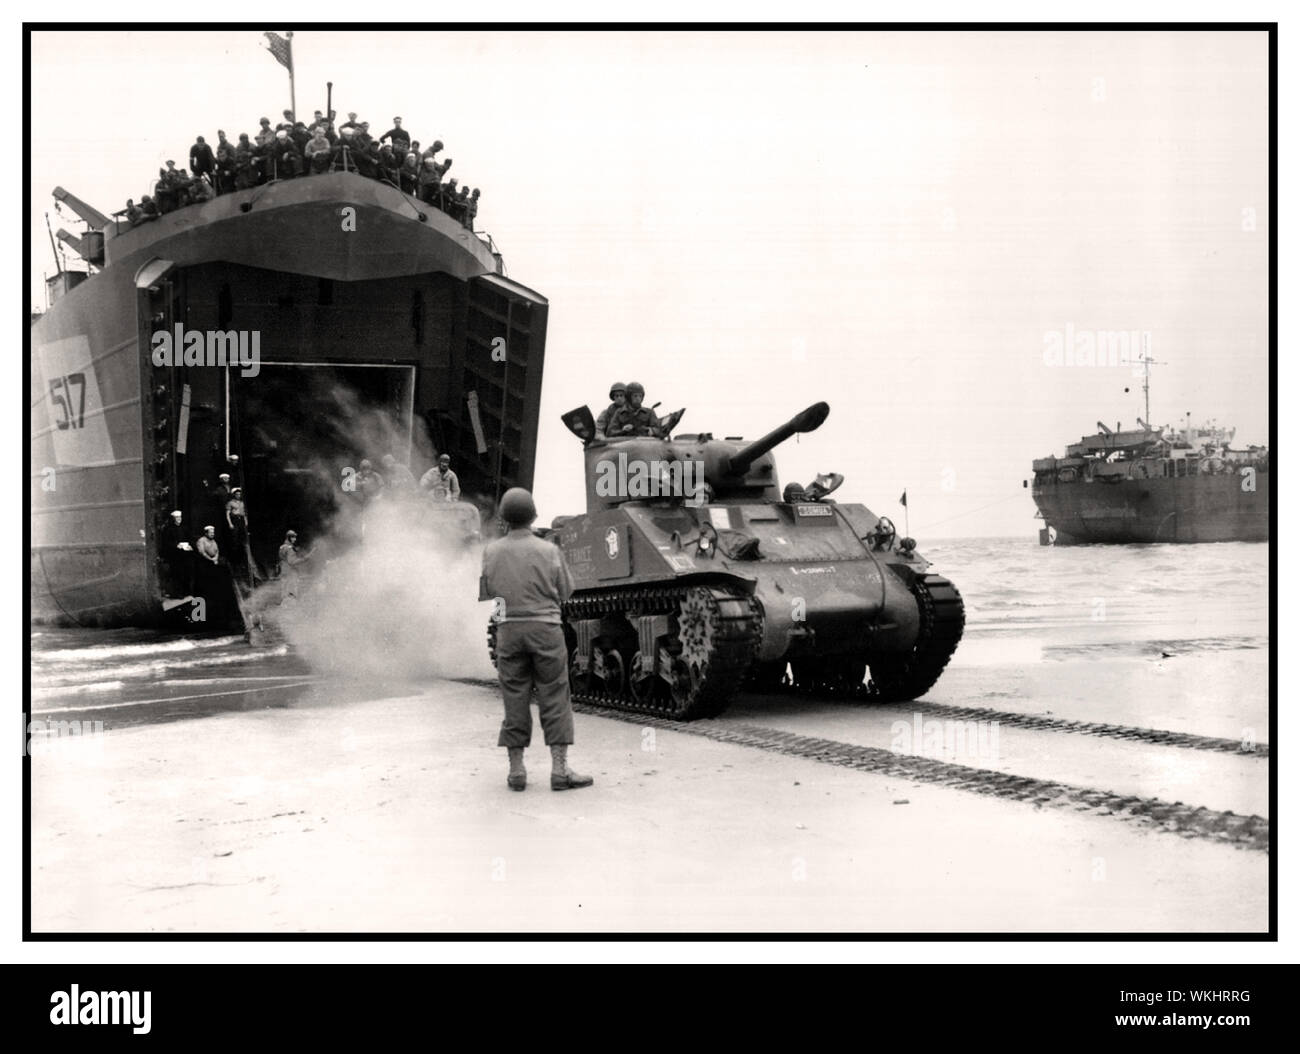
x=1222, y=508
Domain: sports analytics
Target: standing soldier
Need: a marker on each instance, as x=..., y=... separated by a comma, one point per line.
x=618, y=399
x=202, y=162
x=225, y=164
x=471, y=209
x=175, y=550
x=290, y=560
x=206, y=546
x=400, y=136
x=528, y=580
x=245, y=163
x=441, y=482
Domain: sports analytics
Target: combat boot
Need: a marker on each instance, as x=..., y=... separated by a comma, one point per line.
x=518, y=778
x=563, y=777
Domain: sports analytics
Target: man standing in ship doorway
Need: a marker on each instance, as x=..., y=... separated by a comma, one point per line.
x=290, y=562
x=441, y=482
x=176, y=553
x=527, y=581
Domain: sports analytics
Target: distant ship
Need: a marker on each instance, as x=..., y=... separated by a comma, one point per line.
x=367, y=304
x=1154, y=485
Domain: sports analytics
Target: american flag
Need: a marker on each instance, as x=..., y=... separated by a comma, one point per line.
x=280, y=50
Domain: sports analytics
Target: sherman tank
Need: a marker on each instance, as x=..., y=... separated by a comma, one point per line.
x=695, y=575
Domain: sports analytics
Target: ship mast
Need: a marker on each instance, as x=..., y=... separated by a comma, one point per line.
x=1147, y=362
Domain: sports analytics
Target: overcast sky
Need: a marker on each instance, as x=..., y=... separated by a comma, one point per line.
x=749, y=222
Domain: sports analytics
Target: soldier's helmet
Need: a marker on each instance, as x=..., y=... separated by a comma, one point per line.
x=290, y=535
x=517, y=507
x=635, y=388
x=365, y=464
x=617, y=386
x=437, y=145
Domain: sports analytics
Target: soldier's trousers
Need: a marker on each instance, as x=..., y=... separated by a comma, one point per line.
x=533, y=655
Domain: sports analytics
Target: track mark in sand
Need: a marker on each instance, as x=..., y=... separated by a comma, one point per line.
x=1042, y=722
x=1188, y=821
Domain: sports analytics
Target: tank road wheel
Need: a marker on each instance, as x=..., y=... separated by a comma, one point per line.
x=703, y=639
x=607, y=670
x=898, y=678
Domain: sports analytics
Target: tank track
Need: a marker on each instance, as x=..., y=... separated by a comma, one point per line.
x=943, y=618
x=718, y=644
x=724, y=636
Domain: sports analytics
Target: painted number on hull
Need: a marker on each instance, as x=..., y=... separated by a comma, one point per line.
x=69, y=397
x=76, y=426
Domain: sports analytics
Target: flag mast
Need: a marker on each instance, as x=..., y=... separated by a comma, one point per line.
x=293, y=102
x=282, y=51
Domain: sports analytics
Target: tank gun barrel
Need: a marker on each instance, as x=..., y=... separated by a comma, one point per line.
x=806, y=421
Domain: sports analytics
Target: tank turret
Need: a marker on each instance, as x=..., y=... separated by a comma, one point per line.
x=639, y=468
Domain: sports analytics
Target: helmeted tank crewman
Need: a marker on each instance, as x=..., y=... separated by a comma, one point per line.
x=635, y=419
x=618, y=399
x=527, y=580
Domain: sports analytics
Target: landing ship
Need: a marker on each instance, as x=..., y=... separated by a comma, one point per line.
x=364, y=304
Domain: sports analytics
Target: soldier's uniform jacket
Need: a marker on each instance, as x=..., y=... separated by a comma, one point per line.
x=444, y=488
x=644, y=422
x=400, y=136
x=290, y=558
x=528, y=574
x=201, y=159
x=606, y=416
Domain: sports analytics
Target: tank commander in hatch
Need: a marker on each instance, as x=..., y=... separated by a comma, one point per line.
x=635, y=419
x=618, y=399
